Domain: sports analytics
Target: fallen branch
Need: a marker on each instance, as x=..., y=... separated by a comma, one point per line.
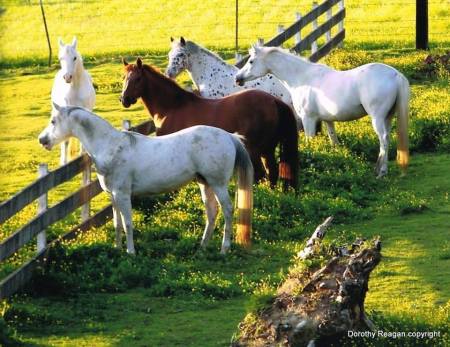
x=315, y=239
x=316, y=305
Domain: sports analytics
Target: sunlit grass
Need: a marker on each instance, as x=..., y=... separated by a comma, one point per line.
x=113, y=28
x=410, y=214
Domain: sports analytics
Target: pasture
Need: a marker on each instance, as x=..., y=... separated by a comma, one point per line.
x=171, y=294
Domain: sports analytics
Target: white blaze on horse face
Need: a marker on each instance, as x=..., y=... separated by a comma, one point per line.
x=178, y=60
x=69, y=60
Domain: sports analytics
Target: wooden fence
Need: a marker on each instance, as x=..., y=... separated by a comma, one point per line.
x=46, y=216
x=310, y=40
x=48, y=180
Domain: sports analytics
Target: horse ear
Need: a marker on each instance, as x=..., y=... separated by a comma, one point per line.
x=74, y=42
x=60, y=42
x=125, y=63
x=56, y=106
x=139, y=63
x=182, y=41
x=171, y=39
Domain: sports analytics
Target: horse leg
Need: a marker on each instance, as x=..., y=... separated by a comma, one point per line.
x=332, y=133
x=379, y=125
x=123, y=203
x=118, y=226
x=64, y=151
x=309, y=125
x=212, y=208
x=223, y=198
x=270, y=165
x=257, y=165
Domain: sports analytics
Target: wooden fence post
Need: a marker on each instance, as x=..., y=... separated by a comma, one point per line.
x=314, y=27
x=328, y=33
x=280, y=30
x=42, y=206
x=86, y=179
x=298, y=36
x=421, y=24
x=46, y=34
x=341, y=23
x=126, y=124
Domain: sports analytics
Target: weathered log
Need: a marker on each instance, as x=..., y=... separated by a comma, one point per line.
x=315, y=239
x=316, y=306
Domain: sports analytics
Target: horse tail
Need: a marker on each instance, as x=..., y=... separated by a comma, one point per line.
x=288, y=138
x=244, y=169
x=402, y=110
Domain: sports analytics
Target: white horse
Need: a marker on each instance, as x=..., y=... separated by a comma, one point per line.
x=321, y=93
x=129, y=163
x=72, y=87
x=213, y=77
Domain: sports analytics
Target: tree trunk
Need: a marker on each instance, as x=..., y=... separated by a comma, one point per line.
x=316, y=306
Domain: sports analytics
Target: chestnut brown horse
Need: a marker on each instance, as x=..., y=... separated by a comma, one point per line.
x=262, y=119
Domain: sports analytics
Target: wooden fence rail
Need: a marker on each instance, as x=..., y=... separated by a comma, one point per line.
x=16, y=280
x=38, y=190
x=22, y=236
x=42, y=185
x=304, y=43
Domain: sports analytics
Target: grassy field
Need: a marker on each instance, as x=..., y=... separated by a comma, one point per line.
x=112, y=27
x=92, y=295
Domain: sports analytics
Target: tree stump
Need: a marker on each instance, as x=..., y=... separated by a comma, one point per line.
x=318, y=305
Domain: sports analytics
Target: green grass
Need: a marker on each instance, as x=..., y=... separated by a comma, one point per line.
x=112, y=27
x=408, y=291
x=336, y=181
x=170, y=294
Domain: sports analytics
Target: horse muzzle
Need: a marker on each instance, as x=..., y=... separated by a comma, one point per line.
x=170, y=74
x=68, y=78
x=127, y=101
x=45, y=142
x=239, y=81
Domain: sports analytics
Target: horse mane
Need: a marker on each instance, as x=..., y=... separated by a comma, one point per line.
x=192, y=47
x=288, y=52
x=70, y=109
x=178, y=89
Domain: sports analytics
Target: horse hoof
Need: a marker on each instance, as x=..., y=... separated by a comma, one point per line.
x=381, y=174
x=224, y=250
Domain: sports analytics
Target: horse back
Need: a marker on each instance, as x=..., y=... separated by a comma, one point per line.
x=251, y=113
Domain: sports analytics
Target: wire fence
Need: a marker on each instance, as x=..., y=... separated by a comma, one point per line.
x=112, y=26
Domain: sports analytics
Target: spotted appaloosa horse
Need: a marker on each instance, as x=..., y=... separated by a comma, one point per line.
x=214, y=77
x=261, y=118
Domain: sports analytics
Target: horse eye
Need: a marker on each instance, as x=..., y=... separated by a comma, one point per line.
x=53, y=122
x=250, y=62
x=74, y=58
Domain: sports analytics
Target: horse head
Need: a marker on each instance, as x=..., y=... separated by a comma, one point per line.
x=178, y=58
x=255, y=66
x=58, y=130
x=133, y=83
x=69, y=59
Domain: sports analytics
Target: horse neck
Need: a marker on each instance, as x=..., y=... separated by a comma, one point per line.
x=79, y=73
x=161, y=94
x=94, y=133
x=290, y=70
x=205, y=67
